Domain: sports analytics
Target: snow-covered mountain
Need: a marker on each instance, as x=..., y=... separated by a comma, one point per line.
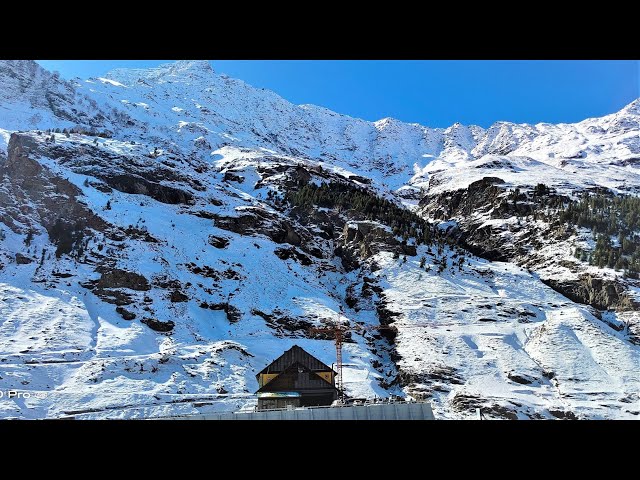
x=154, y=254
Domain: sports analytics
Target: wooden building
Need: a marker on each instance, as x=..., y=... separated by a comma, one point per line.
x=296, y=379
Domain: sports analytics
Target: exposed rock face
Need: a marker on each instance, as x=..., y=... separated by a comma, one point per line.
x=138, y=185
x=218, y=242
x=483, y=194
x=440, y=375
x=563, y=414
x=521, y=379
x=300, y=175
x=294, y=175
x=260, y=221
x=599, y=293
x=233, y=313
x=324, y=223
x=38, y=196
x=287, y=253
x=114, y=297
x=177, y=297
x=283, y=322
x=361, y=240
x=359, y=179
x=230, y=177
x=469, y=403
x=157, y=325
x=116, y=278
x=385, y=315
x=22, y=259
x=142, y=176
x=520, y=241
x=43, y=89
x=126, y=314
x=485, y=198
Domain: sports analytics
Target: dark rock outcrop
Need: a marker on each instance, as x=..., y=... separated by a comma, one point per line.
x=23, y=259
x=385, y=316
x=116, y=278
x=126, y=314
x=136, y=184
x=38, y=195
x=157, y=325
x=232, y=177
x=363, y=239
x=204, y=271
x=359, y=179
x=519, y=242
x=258, y=221
x=488, y=407
x=218, y=242
x=563, y=414
x=599, y=293
x=232, y=312
x=521, y=379
x=291, y=252
x=281, y=322
x=177, y=297
x=437, y=373
x=482, y=194
x=324, y=223
x=114, y=297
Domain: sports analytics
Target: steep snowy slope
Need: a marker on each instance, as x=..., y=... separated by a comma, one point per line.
x=154, y=269
x=217, y=289
x=33, y=98
x=500, y=339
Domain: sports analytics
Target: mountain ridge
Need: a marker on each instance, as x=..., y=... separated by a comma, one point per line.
x=205, y=67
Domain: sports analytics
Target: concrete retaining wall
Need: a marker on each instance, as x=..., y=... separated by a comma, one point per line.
x=379, y=411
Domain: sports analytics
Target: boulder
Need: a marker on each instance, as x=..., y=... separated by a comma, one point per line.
x=177, y=297
x=23, y=259
x=158, y=325
x=218, y=242
x=126, y=314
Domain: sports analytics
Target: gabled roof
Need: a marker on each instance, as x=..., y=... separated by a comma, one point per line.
x=295, y=354
x=281, y=384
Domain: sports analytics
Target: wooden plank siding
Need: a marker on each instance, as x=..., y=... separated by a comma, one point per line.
x=299, y=373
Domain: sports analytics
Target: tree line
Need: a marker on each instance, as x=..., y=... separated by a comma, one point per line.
x=607, y=217
x=344, y=197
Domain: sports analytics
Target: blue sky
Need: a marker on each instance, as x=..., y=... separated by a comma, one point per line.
x=433, y=93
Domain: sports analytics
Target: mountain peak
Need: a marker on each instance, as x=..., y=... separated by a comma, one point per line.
x=633, y=107
x=189, y=66
x=182, y=69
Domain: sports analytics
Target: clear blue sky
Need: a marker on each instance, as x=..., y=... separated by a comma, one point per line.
x=433, y=93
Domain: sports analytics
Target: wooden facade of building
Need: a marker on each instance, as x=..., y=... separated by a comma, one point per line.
x=296, y=379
